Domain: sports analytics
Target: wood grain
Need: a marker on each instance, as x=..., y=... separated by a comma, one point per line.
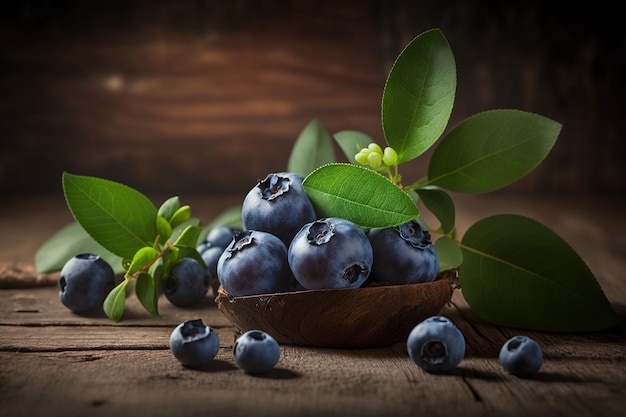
x=150, y=93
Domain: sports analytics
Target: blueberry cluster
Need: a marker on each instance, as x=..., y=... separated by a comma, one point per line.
x=195, y=344
x=285, y=246
x=436, y=345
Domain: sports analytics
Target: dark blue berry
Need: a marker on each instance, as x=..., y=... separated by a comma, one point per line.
x=256, y=352
x=278, y=205
x=403, y=254
x=436, y=345
x=194, y=344
x=84, y=282
x=330, y=253
x=255, y=262
x=186, y=284
x=521, y=356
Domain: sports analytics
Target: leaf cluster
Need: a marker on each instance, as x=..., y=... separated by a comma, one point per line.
x=513, y=271
x=126, y=229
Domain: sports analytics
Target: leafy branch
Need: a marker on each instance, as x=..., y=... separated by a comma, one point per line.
x=147, y=241
x=513, y=271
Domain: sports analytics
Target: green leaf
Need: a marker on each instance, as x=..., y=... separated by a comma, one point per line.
x=419, y=95
x=169, y=207
x=180, y=216
x=449, y=253
x=68, y=242
x=147, y=293
x=312, y=149
x=491, y=150
x=351, y=142
x=115, y=302
x=118, y=217
x=359, y=195
x=441, y=205
x=517, y=272
x=142, y=257
x=164, y=229
x=188, y=237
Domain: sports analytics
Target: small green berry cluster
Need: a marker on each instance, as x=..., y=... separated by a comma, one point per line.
x=385, y=161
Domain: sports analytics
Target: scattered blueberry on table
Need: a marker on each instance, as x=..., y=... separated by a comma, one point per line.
x=436, y=345
x=256, y=352
x=194, y=344
x=521, y=356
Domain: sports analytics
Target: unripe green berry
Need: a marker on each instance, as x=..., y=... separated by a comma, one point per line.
x=374, y=159
x=361, y=157
x=374, y=147
x=390, y=156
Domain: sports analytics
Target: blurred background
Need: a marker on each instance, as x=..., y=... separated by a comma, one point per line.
x=207, y=97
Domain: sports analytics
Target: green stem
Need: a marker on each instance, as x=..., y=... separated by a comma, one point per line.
x=147, y=265
x=424, y=182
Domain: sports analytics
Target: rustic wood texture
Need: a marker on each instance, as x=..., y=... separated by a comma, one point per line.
x=53, y=362
x=208, y=96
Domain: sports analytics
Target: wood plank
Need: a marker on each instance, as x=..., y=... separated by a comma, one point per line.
x=53, y=338
x=41, y=306
x=305, y=382
x=40, y=309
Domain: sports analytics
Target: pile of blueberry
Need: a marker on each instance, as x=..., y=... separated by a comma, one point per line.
x=285, y=246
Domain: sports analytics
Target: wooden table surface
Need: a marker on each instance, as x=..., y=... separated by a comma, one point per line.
x=55, y=363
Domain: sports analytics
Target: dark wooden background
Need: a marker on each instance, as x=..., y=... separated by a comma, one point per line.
x=208, y=96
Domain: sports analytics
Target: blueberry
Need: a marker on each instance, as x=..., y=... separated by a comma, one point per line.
x=220, y=236
x=84, y=282
x=256, y=352
x=202, y=247
x=186, y=284
x=403, y=254
x=521, y=356
x=436, y=345
x=278, y=205
x=255, y=262
x=330, y=253
x=211, y=256
x=194, y=344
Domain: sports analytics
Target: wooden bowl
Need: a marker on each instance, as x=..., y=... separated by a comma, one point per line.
x=371, y=316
